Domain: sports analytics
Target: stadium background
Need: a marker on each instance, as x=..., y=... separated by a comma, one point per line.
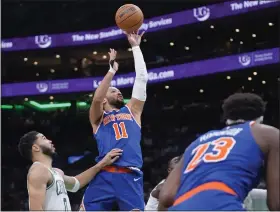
x=176, y=112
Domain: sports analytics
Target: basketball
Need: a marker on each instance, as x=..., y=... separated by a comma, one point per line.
x=129, y=18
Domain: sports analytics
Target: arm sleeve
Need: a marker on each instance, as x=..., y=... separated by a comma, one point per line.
x=140, y=84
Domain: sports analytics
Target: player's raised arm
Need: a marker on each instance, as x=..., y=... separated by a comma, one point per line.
x=37, y=181
x=96, y=109
x=168, y=191
x=73, y=184
x=136, y=104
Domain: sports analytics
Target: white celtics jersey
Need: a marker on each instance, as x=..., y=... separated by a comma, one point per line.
x=56, y=194
x=152, y=204
x=256, y=200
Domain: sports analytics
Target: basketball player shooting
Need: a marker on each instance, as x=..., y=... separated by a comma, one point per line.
x=48, y=186
x=221, y=167
x=116, y=125
x=152, y=204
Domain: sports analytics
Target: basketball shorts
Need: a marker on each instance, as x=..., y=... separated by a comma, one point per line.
x=112, y=186
x=209, y=196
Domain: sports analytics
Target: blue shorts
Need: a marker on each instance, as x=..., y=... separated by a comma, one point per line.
x=110, y=188
x=208, y=200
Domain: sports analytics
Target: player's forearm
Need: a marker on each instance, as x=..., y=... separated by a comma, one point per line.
x=85, y=177
x=139, y=62
x=102, y=89
x=140, y=84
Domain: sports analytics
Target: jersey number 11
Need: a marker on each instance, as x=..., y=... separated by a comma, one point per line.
x=120, y=130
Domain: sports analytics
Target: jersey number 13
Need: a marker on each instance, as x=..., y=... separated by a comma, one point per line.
x=220, y=149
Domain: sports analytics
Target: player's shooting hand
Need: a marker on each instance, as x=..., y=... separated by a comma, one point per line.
x=134, y=38
x=112, y=55
x=112, y=156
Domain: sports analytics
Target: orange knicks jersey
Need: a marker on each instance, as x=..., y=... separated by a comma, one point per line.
x=118, y=129
x=228, y=160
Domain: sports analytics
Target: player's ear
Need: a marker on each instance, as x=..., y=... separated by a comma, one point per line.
x=104, y=100
x=35, y=148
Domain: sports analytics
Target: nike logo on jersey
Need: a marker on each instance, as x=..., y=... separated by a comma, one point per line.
x=136, y=179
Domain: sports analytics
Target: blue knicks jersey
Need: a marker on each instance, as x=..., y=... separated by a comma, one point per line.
x=230, y=156
x=119, y=129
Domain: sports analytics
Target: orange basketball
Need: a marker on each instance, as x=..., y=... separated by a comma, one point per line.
x=129, y=18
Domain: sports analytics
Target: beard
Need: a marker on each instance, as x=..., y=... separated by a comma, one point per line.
x=117, y=104
x=48, y=151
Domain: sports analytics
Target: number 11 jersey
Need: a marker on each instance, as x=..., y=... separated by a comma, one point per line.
x=230, y=156
x=118, y=129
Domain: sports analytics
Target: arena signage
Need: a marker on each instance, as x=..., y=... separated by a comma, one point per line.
x=197, y=68
x=172, y=20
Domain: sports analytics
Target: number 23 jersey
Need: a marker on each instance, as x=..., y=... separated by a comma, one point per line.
x=230, y=155
x=118, y=129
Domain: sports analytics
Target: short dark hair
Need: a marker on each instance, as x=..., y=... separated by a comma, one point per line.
x=178, y=159
x=25, y=144
x=246, y=106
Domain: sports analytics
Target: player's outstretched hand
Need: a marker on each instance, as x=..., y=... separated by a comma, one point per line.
x=134, y=38
x=112, y=55
x=112, y=156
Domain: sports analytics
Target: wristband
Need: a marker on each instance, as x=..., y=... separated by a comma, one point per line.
x=135, y=47
x=76, y=186
x=111, y=70
x=111, y=63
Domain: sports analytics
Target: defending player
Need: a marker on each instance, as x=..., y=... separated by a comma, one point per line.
x=219, y=169
x=47, y=185
x=152, y=204
x=116, y=125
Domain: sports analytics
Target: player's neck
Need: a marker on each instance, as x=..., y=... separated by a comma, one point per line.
x=44, y=159
x=109, y=108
